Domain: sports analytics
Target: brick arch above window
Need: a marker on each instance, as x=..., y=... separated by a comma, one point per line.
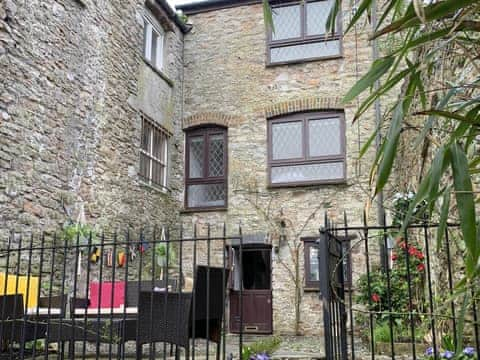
x=211, y=118
x=317, y=103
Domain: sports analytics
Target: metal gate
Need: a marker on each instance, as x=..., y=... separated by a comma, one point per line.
x=356, y=306
x=332, y=293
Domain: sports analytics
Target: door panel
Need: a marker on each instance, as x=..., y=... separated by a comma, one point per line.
x=257, y=311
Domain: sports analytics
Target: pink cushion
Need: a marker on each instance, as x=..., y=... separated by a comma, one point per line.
x=106, y=296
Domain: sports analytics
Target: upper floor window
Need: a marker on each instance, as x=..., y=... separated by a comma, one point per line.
x=300, y=32
x=306, y=149
x=153, y=42
x=206, y=168
x=153, y=154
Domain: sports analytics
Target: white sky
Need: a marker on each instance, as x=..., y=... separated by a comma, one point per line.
x=177, y=2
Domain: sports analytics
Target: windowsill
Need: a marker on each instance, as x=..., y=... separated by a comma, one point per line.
x=155, y=188
x=158, y=72
x=302, y=61
x=311, y=289
x=195, y=210
x=306, y=184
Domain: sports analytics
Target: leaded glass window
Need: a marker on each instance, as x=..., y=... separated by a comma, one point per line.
x=300, y=32
x=206, y=164
x=307, y=148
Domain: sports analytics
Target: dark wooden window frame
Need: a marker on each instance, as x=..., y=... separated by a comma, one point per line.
x=308, y=243
x=306, y=159
x=303, y=38
x=149, y=154
x=206, y=132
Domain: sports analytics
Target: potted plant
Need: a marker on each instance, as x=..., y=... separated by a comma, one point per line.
x=165, y=256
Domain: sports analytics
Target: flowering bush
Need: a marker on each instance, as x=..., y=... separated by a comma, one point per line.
x=260, y=350
x=377, y=297
x=467, y=353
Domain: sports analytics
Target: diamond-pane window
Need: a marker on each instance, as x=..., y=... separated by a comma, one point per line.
x=300, y=32
x=206, y=195
x=317, y=14
x=206, y=180
x=216, y=165
x=324, y=137
x=196, y=153
x=287, y=140
x=307, y=149
x=286, y=22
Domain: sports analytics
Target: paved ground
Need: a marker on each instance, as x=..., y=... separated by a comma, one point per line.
x=291, y=348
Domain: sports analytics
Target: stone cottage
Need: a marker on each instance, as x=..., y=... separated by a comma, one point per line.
x=124, y=114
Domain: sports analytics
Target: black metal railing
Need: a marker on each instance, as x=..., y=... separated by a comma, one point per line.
x=407, y=298
x=78, y=293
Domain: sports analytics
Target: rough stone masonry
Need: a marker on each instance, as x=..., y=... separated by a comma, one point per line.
x=74, y=85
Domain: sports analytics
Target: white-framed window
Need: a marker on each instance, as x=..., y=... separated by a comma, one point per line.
x=153, y=42
x=154, y=153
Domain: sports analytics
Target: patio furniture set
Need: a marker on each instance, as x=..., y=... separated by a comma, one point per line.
x=147, y=313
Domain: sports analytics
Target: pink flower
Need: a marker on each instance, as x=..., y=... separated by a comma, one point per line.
x=421, y=267
x=375, y=297
x=419, y=255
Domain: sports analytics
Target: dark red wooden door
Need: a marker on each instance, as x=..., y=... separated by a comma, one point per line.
x=256, y=294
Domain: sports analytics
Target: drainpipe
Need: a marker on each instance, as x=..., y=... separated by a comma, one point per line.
x=378, y=139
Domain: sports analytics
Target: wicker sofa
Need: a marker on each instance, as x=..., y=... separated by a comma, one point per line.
x=117, y=325
x=176, y=318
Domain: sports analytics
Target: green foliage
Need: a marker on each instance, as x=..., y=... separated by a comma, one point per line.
x=382, y=332
x=161, y=252
x=388, y=292
x=429, y=32
x=265, y=346
x=38, y=345
x=401, y=206
x=72, y=232
x=401, y=332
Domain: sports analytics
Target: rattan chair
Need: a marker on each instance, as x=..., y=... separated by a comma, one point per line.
x=18, y=327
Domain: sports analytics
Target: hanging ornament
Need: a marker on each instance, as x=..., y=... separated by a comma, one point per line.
x=133, y=253
x=121, y=258
x=79, y=263
x=109, y=258
x=95, y=255
x=143, y=246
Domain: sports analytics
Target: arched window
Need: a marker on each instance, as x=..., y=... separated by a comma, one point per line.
x=206, y=168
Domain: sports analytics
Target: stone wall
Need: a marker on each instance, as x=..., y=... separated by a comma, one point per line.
x=73, y=85
x=227, y=78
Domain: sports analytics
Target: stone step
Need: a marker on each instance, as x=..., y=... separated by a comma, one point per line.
x=296, y=356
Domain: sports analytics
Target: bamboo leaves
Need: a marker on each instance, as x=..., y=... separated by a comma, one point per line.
x=390, y=150
x=377, y=70
x=432, y=12
x=466, y=206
